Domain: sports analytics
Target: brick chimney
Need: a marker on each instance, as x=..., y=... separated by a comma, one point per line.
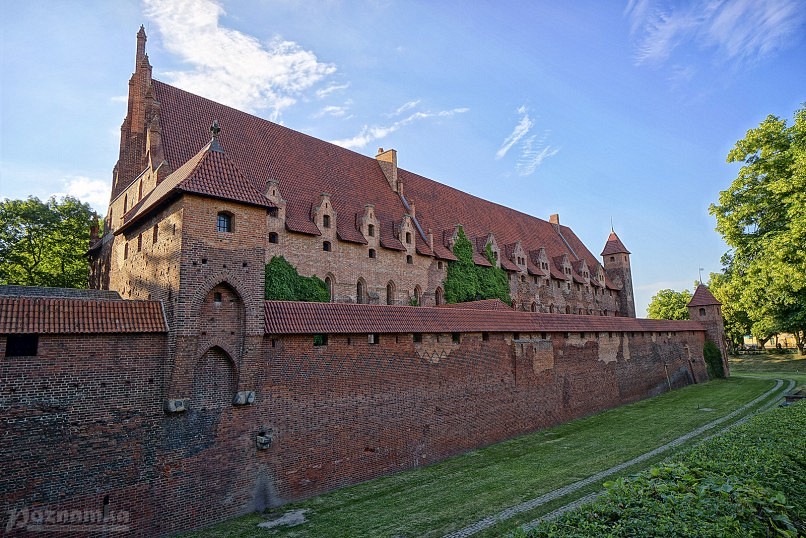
x=388, y=163
x=554, y=219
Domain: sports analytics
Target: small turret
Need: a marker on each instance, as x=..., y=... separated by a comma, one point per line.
x=616, y=260
x=706, y=309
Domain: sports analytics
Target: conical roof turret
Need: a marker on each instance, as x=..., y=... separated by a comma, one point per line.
x=614, y=245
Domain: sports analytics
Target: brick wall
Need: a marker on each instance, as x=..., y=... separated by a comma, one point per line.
x=84, y=420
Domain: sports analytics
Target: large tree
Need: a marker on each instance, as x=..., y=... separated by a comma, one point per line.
x=669, y=304
x=45, y=243
x=762, y=217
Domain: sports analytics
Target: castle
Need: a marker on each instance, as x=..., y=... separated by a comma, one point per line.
x=173, y=395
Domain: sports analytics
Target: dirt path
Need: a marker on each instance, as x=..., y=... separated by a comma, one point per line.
x=494, y=519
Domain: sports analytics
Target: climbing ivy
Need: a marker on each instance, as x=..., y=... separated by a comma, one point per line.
x=713, y=360
x=465, y=281
x=284, y=283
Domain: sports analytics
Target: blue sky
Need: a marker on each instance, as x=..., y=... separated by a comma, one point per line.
x=593, y=110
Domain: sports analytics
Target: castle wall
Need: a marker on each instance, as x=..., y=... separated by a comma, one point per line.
x=84, y=419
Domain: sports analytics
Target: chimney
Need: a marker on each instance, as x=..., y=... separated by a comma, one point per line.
x=430, y=240
x=388, y=163
x=412, y=209
x=555, y=221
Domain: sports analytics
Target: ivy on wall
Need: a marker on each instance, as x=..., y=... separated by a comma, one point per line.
x=284, y=283
x=713, y=359
x=466, y=281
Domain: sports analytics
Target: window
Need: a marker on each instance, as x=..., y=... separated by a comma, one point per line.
x=326, y=246
x=125, y=202
x=516, y=336
x=360, y=292
x=418, y=296
x=533, y=308
x=224, y=222
x=217, y=297
x=408, y=237
x=139, y=242
x=326, y=221
x=439, y=296
x=371, y=230
x=373, y=338
x=126, y=250
x=319, y=340
x=456, y=337
x=390, y=293
x=485, y=337
x=567, y=309
x=439, y=265
x=612, y=258
x=22, y=345
x=274, y=237
x=417, y=337
x=409, y=259
x=155, y=234
x=372, y=253
x=702, y=312
x=274, y=212
x=329, y=284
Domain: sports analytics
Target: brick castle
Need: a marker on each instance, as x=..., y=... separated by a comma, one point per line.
x=175, y=395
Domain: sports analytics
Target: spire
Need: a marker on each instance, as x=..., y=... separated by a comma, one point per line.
x=141, y=46
x=614, y=246
x=703, y=297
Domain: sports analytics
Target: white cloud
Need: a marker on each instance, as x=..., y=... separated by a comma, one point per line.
x=324, y=92
x=229, y=66
x=92, y=191
x=403, y=108
x=334, y=110
x=369, y=134
x=533, y=150
x=520, y=130
x=742, y=30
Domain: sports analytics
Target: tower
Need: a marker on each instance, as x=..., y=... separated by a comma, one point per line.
x=616, y=259
x=705, y=308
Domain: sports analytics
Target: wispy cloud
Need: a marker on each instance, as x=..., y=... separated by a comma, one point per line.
x=335, y=110
x=739, y=30
x=533, y=149
x=92, y=191
x=370, y=134
x=403, y=108
x=229, y=66
x=324, y=92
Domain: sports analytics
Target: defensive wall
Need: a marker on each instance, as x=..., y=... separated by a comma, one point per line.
x=337, y=394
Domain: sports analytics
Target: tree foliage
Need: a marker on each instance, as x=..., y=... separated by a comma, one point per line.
x=45, y=243
x=284, y=283
x=465, y=281
x=762, y=217
x=669, y=304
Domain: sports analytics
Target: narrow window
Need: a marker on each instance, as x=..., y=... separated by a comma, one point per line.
x=326, y=246
x=390, y=293
x=533, y=308
x=612, y=258
x=360, y=292
x=273, y=212
x=371, y=230
x=455, y=338
x=417, y=337
x=409, y=259
x=125, y=202
x=702, y=312
x=373, y=338
x=326, y=221
x=485, y=337
x=439, y=264
x=126, y=251
x=516, y=336
x=217, y=297
x=319, y=340
x=274, y=237
x=439, y=296
x=372, y=253
x=156, y=234
x=408, y=237
x=139, y=242
x=22, y=345
x=329, y=284
x=224, y=222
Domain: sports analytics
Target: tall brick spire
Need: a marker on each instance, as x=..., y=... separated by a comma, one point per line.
x=141, y=46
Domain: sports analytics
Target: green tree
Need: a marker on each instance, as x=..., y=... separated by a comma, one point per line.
x=284, y=283
x=465, y=281
x=737, y=321
x=669, y=304
x=45, y=243
x=762, y=217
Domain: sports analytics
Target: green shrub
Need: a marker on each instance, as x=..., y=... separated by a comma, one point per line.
x=284, y=283
x=713, y=360
x=465, y=281
x=747, y=482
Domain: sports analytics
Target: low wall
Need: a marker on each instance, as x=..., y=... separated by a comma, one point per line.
x=84, y=426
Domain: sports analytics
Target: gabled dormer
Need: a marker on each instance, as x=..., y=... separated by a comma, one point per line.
x=582, y=270
x=369, y=226
x=481, y=245
x=517, y=255
x=275, y=214
x=324, y=216
x=540, y=260
x=407, y=234
x=563, y=264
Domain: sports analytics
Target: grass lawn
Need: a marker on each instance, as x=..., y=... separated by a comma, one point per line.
x=770, y=366
x=452, y=494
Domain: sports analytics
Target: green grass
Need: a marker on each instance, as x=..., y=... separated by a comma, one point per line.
x=446, y=496
x=770, y=365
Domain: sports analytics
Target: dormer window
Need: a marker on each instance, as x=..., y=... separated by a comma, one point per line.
x=274, y=238
x=371, y=230
x=408, y=237
x=372, y=253
x=224, y=222
x=326, y=246
x=326, y=221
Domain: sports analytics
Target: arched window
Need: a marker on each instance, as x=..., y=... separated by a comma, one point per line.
x=408, y=237
x=390, y=293
x=533, y=308
x=702, y=312
x=567, y=309
x=371, y=230
x=551, y=308
x=326, y=221
x=361, y=291
x=439, y=296
x=224, y=222
x=329, y=283
x=126, y=250
x=418, y=296
x=273, y=237
x=326, y=246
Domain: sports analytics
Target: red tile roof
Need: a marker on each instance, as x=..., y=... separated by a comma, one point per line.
x=483, y=304
x=305, y=167
x=210, y=173
x=287, y=317
x=614, y=246
x=46, y=315
x=703, y=297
